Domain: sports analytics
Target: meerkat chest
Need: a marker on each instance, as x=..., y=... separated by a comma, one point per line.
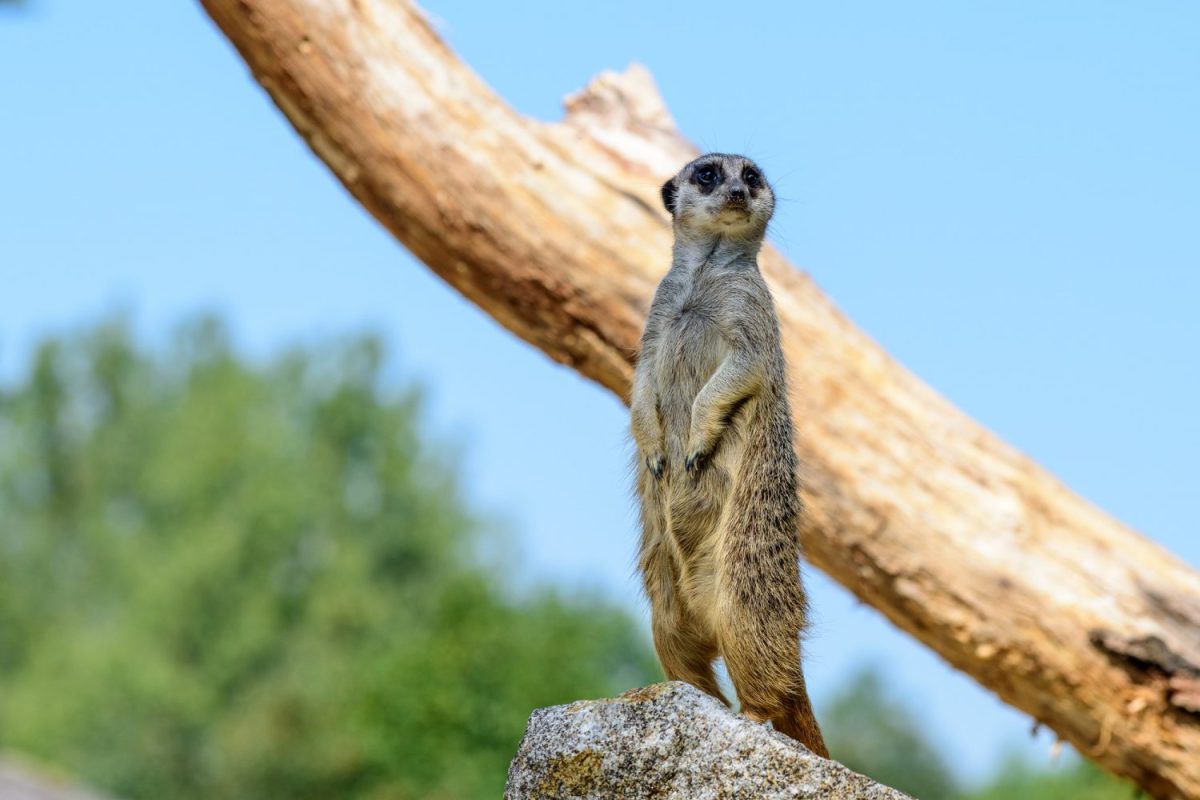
x=691, y=345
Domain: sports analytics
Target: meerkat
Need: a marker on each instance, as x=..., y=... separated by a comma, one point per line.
x=716, y=471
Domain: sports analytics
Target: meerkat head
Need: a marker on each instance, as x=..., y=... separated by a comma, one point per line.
x=722, y=194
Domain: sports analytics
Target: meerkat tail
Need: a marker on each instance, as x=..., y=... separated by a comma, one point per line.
x=800, y=723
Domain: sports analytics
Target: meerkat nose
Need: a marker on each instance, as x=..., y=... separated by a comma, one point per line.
x=737, y=194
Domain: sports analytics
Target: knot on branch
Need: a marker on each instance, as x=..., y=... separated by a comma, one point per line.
x=1153, y=659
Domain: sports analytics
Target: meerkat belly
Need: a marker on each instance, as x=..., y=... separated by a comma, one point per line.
x=692, y=349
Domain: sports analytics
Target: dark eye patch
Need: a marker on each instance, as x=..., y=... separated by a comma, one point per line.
x=707, y=177
x=753, y=179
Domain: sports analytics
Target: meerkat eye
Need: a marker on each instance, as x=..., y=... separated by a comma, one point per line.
x=706, y=175
x=751, y=176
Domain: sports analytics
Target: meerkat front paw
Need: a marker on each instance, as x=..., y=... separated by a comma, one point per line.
x=647, y=433
x=703, y=437
x=657, y=464
x=696, y=461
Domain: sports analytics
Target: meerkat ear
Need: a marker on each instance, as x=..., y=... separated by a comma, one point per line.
x=670, y=190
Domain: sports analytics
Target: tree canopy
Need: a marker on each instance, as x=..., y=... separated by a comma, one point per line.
x=873, y=731
x=228, y=579
x=225, y=578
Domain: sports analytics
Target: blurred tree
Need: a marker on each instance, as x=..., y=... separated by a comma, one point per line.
x=1078, y=779
x=220, y=579
x=872, y=732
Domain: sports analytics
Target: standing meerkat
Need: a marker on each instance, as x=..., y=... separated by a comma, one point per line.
x=716, y=473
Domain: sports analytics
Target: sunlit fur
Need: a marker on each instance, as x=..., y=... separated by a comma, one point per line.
x=716, y=471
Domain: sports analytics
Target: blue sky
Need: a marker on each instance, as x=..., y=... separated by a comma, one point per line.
x=1005, y=195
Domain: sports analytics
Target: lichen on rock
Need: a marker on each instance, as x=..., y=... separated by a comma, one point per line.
x=670, y=741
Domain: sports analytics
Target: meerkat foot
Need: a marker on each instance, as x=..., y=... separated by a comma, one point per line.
x=756, y=716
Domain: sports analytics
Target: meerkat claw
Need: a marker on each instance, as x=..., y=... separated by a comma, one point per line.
x=657, y=464
x=695, y=462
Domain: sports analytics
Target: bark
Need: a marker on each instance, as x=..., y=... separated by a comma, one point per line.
x=555, y=229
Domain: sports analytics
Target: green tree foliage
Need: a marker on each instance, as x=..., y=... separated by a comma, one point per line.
x=220, y=579
x=871, y=732
x=1078, y=780
x=228, y=580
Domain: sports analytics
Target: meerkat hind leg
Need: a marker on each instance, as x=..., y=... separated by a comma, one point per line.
x=685, y=649
x=792, y=716
x=763, y=659
x=687, y=655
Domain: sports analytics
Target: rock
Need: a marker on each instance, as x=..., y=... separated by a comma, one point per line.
x=670, y=741
x=23, y=781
